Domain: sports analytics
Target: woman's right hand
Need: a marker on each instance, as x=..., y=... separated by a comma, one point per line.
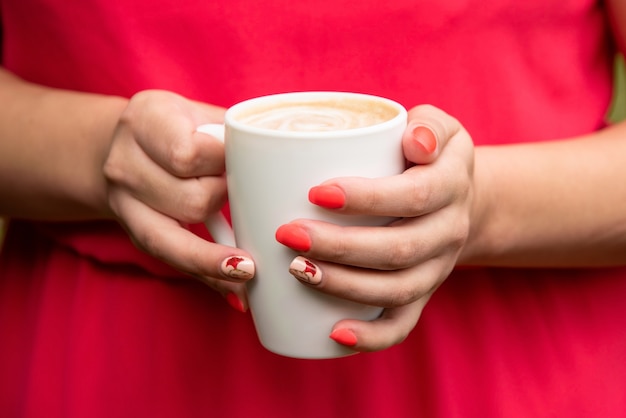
x=163, y=175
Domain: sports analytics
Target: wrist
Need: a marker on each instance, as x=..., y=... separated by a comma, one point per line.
x=480, y=245
x=110, y=110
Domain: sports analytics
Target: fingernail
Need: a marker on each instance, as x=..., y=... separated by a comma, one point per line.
x=235, y=302
x=305, y=271
x=330, y=197
x=344, y=337
x=293, y=237
x=237, y=267
x=426, y=138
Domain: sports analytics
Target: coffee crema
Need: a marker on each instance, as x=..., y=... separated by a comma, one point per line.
x=319, y=115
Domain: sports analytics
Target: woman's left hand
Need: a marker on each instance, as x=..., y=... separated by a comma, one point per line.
x=398, y=266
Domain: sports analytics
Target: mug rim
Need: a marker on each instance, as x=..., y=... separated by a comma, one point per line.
x=231, y=121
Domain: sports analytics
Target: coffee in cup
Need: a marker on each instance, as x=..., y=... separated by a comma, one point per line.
x=319, y=115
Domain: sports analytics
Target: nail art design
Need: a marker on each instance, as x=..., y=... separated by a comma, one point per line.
x=304, y=270
x=238, y=267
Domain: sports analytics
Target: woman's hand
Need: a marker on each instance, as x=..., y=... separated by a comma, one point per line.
x=163, y=175
x=398, y=266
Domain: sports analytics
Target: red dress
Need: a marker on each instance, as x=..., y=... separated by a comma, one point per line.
x=91, y=327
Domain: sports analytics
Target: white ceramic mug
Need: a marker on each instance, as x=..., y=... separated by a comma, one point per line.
x=269, y=173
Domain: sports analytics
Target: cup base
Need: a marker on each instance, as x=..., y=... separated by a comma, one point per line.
x=340, y=353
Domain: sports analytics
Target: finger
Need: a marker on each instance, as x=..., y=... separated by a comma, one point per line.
x=181, y=150
x=402, y=244
x=165, y=239
x=393, y=326
x=167, y=133
x=428, y=131
x=419, y=190
x=190, y=200
x=386, y=289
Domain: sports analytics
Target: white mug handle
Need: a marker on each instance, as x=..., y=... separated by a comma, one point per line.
x=218, y=226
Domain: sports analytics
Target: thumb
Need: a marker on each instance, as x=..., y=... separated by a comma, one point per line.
x=428, y=131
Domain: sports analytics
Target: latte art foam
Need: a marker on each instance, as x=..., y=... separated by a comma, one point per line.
x=319, y=116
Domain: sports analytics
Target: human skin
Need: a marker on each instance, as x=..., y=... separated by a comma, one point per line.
x=140, y=162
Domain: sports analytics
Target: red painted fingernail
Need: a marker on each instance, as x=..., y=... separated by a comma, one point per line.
x=237, y=267
x=344, y=337
x=235, y=302
x=426, y=138
x=294, y=237
x=305, y=271
x=330, y=197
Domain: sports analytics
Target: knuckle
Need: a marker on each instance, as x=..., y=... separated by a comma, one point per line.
x=339, y=248
x=373, y=200
x=113, y=172
x=150, y=241
x=202, y=197
x=403, y=294
x=419, y=195
x=461, y=232
x=196, y=207
x=401, y=255
x=113, y=168
x=183, y=157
